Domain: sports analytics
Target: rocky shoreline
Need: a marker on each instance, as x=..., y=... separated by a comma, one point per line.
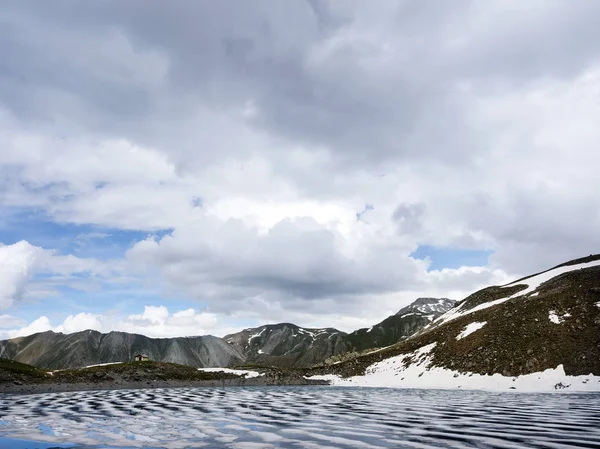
x=17, y=378
x=262, y=381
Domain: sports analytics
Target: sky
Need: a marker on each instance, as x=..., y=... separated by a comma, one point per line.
x=195, y=167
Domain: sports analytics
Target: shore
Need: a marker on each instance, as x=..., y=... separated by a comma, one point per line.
x=56, y=387
x=17, y=378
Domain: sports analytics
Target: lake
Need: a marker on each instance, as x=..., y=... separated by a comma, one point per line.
x=299, y=417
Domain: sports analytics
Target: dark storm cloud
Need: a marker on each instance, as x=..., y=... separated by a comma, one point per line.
x=371, y=82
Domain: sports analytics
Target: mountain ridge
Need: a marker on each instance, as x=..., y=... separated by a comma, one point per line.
x=281, y=345
x=59, y=351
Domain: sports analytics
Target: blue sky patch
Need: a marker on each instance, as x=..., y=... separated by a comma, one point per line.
x=81, y=240
x=451, y=257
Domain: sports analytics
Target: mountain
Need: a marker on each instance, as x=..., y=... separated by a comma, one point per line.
x=429, y=308
x=287, y=345
x=544, y=328
x=57, y=351
x=292, y=346
x=281, y=345
x=403, y=324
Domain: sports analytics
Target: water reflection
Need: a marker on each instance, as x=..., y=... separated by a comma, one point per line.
x=314, y=417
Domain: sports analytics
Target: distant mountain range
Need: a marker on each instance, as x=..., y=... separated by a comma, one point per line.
x=283, y=345
x=58, y=351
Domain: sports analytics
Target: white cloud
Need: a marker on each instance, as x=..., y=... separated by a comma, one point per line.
x=152, y=314
x=79, y=322
x=8, y=321
x=17, y=264
x=21, y=261
x=299, y=269
x=259, y=154
x=153, y=322
x=42, y=324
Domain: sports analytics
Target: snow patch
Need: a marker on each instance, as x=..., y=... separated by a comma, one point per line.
x=470, y=328
x=256, y=335
x=414, y=370
x=535, y=281
x=103, y=364
x=556, y=319
x=239, y=372
x=260, y=351
x=458, y=312
x=598, y=304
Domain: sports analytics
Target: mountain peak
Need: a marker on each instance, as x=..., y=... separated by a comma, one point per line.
x=428, y=306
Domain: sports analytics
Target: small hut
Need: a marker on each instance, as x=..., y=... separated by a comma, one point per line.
x=141, y=358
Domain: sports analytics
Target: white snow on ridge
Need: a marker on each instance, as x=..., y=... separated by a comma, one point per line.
x=470, y=328
x=393, y=373
x=239, y=372
x=532, y=284
x=535, y=281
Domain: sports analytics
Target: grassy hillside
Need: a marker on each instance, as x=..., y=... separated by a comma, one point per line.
x=15, y=372
x=10, y=368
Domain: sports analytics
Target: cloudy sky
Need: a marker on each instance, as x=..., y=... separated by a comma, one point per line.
x=197, y=167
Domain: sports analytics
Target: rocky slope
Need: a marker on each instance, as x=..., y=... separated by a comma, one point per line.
x=292, y=346
x=545, y=323
x=403, y=324
x=57, y=351
x=287, y=345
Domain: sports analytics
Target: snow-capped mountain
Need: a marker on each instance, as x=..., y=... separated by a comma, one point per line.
x=433, y=307
x=286, y=344
x=408, y=321
x=539, y=332
x=283, y=345
x=289, y=345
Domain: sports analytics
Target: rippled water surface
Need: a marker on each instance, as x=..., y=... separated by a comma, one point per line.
x=308, y=417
